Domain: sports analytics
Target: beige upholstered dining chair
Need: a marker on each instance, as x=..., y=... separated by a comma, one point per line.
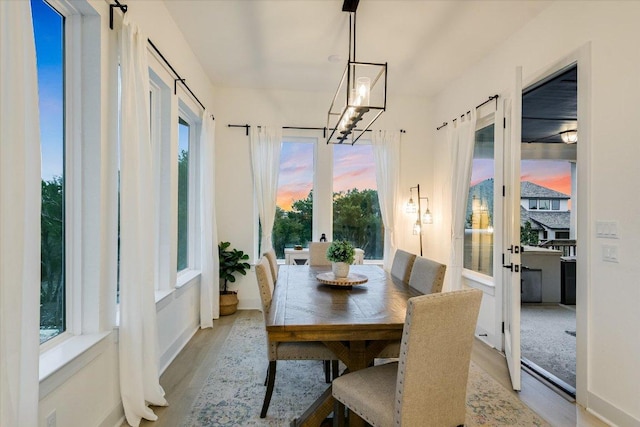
x=427, y=276
x=283, y=350
x=270, y=255
x=427, y=387
x=401, y=266
x=318, y=253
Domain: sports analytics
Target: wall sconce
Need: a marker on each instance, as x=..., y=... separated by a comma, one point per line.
x=426, y=217
x=569, y=136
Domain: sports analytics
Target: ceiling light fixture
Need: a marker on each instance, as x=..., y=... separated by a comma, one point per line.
x=569, y=136
x=361, y=95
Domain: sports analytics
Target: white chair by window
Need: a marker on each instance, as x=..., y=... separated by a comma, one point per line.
x=318, y=253
x=427, y=387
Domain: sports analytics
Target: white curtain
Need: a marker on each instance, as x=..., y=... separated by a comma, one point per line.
x=20, y=201
x=210, y=267
x=386, y=152
x=266, y=143
x=138, y=337
x=461, y=137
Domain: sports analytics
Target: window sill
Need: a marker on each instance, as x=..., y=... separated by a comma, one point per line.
x=62, y=361
x=186, y=277
x=480, y=281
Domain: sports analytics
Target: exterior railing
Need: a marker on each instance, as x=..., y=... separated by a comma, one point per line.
x=567, y=246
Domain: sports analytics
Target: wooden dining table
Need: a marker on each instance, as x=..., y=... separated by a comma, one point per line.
x=356, y=322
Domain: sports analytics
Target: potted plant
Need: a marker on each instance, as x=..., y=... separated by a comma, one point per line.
x=341, y=254
x=232, y=261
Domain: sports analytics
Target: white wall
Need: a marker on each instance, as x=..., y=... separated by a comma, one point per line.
x=236, y=213
x=609, y=349
x=86, y=391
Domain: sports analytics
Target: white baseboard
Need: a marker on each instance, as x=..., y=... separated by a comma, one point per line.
x=115, y=417
x=249, y=304
x=177, y=346
x=609, y=413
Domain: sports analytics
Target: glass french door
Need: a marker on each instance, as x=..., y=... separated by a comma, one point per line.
x=511, y=236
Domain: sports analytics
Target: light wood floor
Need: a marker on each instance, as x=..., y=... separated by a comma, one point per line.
x=184, y=378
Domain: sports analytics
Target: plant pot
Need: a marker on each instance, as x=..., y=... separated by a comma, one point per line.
x=228, y=303
x=340, y=269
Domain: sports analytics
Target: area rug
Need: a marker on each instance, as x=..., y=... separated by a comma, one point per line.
x=233, y=391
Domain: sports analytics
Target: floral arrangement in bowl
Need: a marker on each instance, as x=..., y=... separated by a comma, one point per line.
x=341, y=251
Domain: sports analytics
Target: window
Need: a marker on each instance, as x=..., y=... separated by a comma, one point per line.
x=356, y=210
x=48, y=27
x=544, y=204
x=478, y=236
x=294, y=199
x=533, y=204
x=562, y=234
x=555, y=204
x=184, y=137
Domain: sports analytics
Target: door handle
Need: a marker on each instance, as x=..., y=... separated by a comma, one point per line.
x=513, y=267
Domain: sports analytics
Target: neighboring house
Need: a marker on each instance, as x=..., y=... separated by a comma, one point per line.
x=547, y=210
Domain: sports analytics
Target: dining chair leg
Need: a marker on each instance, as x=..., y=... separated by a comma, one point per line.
x=338, y=414
x=271, y=374
x=335, y=369
x=266, y=377
x=327, y=371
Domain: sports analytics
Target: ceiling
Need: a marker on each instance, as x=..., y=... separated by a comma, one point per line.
x=285, y=44
x=550, y=107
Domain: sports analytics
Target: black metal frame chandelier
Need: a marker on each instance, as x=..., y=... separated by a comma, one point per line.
x=361, y=95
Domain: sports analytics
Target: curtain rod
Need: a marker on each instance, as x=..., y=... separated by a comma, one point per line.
x=123, y=8
x=323, y=129
x=491, y=98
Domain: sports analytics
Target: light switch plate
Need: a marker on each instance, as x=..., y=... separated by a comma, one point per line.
x=607, y=229
x=610, y=253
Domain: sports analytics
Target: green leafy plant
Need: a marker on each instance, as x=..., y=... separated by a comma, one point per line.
x=231, y=262
x=341, y=251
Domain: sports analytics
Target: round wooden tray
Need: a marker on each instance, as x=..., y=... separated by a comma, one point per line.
x=352, y=279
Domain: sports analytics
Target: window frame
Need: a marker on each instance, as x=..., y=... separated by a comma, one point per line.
x=186, y=110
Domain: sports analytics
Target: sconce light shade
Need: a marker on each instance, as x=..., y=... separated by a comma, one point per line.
x=411, y=206
x=569, y=136
x=416, y=227
x=427, y=218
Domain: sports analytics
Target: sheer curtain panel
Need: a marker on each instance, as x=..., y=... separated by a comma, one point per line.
x=138, y=335
x=386, y=152
x=20, y=201
x=461, y=140
x=266, y=143
x=209, y=301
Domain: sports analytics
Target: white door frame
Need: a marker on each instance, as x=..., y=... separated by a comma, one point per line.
x=583, y=205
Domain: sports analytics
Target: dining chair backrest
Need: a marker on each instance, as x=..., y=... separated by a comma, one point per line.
x=435, y=354
x=427, y=276
x=270, y=255
x=265, y=283
x=402, y=263
x=318, y=253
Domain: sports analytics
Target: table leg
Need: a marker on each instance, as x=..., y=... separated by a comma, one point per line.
x=316, y=413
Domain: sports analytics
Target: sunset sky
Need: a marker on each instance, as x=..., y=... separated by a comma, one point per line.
x=354, y=168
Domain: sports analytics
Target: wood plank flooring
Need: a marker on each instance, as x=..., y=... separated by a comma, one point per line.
x=184, y=378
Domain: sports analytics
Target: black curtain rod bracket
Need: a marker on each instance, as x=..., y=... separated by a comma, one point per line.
x=122, y=7
x=491, y=98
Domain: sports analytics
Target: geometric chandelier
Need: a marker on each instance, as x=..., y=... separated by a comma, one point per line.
x=361, y=95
